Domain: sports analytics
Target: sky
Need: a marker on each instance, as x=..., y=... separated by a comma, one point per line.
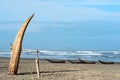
x=62, y=24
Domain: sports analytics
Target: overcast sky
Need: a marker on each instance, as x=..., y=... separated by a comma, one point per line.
x=62, y=24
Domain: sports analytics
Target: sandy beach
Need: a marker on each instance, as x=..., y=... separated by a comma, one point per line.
x=60, y=71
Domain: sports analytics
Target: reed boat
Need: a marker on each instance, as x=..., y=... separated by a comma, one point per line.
x=16, y=48
x=74, y=62
x=55, y=61
x=86, y=61
x=105, y=62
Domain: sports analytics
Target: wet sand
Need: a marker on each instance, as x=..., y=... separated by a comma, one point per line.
x=60, y=71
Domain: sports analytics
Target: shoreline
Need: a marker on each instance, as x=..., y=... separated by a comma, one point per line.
x=60, y=71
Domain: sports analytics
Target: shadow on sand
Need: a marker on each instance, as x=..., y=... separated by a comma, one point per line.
x=47, y=72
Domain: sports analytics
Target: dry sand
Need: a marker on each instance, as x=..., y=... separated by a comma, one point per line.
x=58, y=71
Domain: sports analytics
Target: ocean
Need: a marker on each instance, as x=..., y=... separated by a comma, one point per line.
x=68, y=55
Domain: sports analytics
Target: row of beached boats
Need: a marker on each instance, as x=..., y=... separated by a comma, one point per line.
x=79, y=61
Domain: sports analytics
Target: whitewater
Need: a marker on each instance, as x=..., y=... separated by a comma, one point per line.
x=68, y=55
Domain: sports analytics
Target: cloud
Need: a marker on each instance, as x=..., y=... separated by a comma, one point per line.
x=85, y=2
x=53, y=10
x=93, y=2
x=47, y=11
x=9, y=25
x=99, y=27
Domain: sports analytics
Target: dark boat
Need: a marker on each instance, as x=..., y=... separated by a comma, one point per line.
x=74, y=62
x=105, y=62
x=56, y=61
x=86, y=62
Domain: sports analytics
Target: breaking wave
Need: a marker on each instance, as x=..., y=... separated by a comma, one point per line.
x=68, y=55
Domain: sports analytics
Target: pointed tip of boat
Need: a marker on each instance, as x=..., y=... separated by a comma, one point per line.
x=33, y=14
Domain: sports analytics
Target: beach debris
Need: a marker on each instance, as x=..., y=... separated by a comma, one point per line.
x=16, y=48
x=37, y=63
